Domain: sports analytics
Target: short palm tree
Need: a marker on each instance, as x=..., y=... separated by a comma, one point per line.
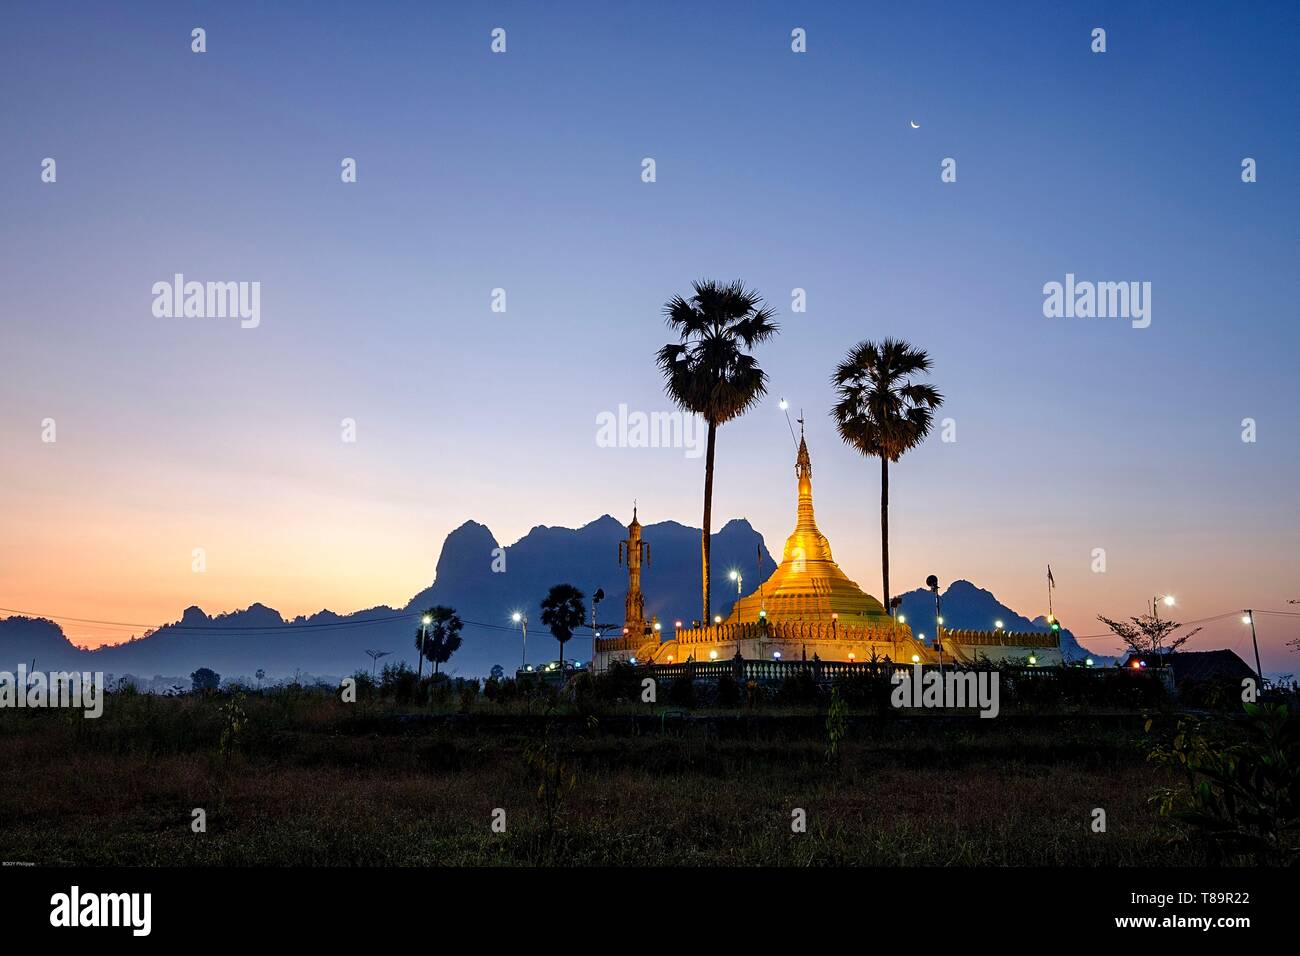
x=708, y=372
x=883, y=412
x=563, y=612
x=440, y=638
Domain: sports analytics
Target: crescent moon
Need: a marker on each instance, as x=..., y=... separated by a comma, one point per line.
x=915, y=124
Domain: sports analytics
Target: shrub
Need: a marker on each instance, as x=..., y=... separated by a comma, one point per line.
x=682, y=691
x=798, y=688
x=728, y=692
x=399, y=682
x=1243, y=797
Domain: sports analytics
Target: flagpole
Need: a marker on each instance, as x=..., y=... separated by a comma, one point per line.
x=1049, y=593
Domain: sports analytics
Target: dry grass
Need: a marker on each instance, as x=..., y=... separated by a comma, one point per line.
x=315, y=782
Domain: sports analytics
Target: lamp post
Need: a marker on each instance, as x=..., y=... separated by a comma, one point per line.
x=1168, y=600
x=932, y=582
x=736, y=576
x=1249, y=618
x=522, y=619
x=424, y=629
x=595, y=599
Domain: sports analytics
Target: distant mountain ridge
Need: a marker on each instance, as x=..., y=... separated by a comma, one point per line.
x=327, y=643
x=968, y=607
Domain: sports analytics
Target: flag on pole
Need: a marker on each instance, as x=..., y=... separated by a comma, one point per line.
x=1050, y=580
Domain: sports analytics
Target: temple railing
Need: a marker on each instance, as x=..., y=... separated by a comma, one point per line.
x=821, y=671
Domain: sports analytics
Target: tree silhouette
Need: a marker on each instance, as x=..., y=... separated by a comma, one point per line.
x=1148, y=634
x=205, y=679
x=440, y=638
x=707, y=371
x=883, y=413
x=562, y=612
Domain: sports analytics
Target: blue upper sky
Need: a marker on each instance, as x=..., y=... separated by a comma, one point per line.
x=522, y=171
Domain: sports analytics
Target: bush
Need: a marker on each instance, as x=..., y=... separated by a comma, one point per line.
x=399, y=682
x=365, y=685
x=682, y=691
x=728, y=692
x=1242, y=797
x=619, y=683
x=1210, y=694
x=468, y=691
x=798, y=688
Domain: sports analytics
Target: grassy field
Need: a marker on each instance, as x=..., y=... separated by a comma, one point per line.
x=301, y=778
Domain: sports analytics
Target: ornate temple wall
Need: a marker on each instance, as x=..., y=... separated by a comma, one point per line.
x=796, y=640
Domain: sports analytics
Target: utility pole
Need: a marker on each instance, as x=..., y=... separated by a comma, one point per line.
x=522, y=619
x=1259, y=671
x=596, y=598
x=932, y=582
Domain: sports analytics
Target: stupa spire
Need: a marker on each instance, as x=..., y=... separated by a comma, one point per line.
x=807, y=585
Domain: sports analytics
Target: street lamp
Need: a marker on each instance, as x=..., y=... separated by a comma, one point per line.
x=932, y=583
x=1248, y=617
x=1168, y=600
x=522, y=619
x=424, y=627
x=596, y=598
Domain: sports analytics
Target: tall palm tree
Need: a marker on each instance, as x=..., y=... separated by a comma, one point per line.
x=562, y=612
x=708, y=372
x=883, y=412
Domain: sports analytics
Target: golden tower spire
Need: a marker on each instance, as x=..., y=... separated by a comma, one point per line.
x=808, y=585
x=636, y=550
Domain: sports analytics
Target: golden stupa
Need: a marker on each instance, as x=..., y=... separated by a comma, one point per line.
x=808, y=610
x=808, y=585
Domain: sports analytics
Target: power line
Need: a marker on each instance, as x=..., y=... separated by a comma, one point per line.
x=1114, y=636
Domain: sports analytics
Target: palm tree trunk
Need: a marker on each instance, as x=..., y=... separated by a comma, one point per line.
x=884, y=526
x=708, y=522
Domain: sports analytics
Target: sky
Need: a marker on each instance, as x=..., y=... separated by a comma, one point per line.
x=523, y=171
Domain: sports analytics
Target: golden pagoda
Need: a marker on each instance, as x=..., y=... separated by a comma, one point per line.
x=808, y=610
x=808, y=585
